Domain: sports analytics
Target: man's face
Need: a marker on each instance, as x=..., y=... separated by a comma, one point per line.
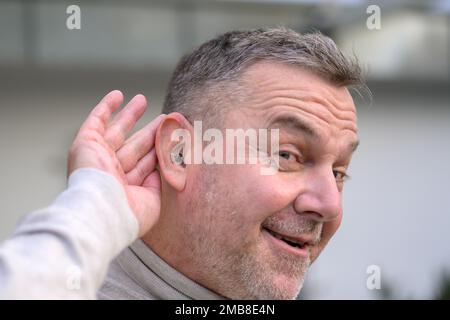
x=240, y=219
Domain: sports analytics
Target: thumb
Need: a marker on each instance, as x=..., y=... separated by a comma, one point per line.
x=146, y=206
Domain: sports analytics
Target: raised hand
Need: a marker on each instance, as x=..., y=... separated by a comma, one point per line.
x=101, y=143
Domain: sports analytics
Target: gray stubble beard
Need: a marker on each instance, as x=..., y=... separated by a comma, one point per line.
x=249, y=275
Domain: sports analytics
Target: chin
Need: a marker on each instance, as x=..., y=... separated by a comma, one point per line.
x=287, y=288
x=278, y=287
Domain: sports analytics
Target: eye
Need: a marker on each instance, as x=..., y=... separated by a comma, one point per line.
x=340, y=176
x=289, y=161
x=286, y=155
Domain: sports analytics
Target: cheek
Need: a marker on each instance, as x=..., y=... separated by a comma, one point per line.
x=264, y=196
x=242, y=198
x=329, y=229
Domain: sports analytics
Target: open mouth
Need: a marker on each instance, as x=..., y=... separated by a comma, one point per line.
x=294, y=243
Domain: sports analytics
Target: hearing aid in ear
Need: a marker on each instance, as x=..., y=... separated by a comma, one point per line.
x=177, y=155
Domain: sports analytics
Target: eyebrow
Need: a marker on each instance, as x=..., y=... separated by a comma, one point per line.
x=295, y=123
x=354, y=145
x=301, y=125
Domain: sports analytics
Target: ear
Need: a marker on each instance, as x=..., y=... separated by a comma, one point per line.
x=173, y=149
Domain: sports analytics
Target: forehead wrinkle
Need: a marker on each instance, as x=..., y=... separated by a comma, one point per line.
x=290, y=123
x=335, y=107
x=310, y=110
x=324, y=102
x=323, y=88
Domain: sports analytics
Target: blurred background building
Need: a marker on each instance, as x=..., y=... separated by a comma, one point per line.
x=397, y=204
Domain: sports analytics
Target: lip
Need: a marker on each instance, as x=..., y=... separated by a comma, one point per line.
x=278, y=244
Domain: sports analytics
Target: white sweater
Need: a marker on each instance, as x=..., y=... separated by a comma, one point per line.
x=63, y=251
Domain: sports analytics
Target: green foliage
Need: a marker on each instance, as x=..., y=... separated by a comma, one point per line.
x=443, y=288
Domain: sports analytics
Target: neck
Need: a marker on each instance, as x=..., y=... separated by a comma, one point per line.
x=169, y=240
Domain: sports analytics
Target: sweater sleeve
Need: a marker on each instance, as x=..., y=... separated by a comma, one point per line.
x=63, y=251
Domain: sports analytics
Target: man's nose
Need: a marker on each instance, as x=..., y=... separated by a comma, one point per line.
x=319, y=196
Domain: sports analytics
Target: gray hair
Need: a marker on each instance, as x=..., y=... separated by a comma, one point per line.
x=206, y=79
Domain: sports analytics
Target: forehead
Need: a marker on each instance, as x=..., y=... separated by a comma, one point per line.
x=275, y=90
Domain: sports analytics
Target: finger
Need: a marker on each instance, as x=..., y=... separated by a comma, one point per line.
x=124, y=121
x=153, y=181
x=143, y=168
x=99, y=116
x=139, y=144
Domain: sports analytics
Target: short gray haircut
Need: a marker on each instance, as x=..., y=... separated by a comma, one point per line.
x=206, y=80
